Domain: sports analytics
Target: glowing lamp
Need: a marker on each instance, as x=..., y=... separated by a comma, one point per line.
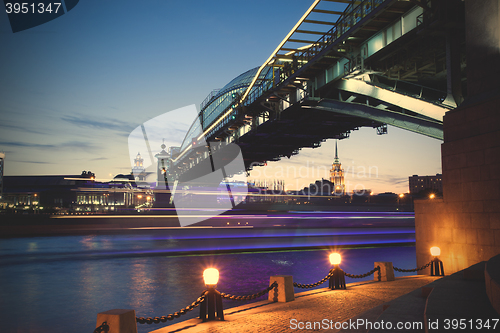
x=435, y=251
x=432, y=196
x=211, y=307
x=337, y=278
x=335, y=259
x=211, y=276
x=436, y=264
x=401, y=195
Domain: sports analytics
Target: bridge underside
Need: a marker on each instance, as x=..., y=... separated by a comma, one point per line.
x=409, y=82
x=307, y=124
x=299, y=126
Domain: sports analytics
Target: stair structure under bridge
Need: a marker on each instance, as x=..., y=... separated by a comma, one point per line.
x=373, y=63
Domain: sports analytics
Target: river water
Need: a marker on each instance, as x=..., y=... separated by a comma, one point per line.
x=60, y=283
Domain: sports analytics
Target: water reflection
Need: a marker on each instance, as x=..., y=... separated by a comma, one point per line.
x=59, y=284
x=67, y=295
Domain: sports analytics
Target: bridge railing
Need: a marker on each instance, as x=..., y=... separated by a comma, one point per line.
x=349, y=19
x=343, y=25
x=352, y=15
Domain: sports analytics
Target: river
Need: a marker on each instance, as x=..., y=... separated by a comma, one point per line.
x=60, y=283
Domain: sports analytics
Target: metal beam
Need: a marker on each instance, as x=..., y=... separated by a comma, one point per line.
x=333, y=12
x=433, y=129
x=409, y=103
x=297, y=25
x=311, y=32
x=344, y=1
x=302, y=41
x=319, y=22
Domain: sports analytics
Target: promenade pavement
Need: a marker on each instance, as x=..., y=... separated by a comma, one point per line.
x=419, y=303
x=318, y=305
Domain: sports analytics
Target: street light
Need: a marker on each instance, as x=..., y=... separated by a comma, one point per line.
x=337, y=280
x=213, y=300
x=335, y=259
x=436, y=262
x=211, y=277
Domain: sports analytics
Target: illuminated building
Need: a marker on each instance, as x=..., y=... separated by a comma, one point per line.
x=337, y=175
x=426, y=183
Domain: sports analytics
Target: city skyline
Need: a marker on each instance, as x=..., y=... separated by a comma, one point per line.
x=73, y=91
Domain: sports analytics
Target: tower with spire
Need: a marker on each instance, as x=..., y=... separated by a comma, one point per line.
x=138, y=170
x=337, y=175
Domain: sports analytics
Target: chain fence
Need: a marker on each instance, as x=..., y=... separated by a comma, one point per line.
x=162, y=319
x=150, y=320
x=414, y=269
x=360, y=276
x=249, y=297
x=353, y=276
x=312, y=285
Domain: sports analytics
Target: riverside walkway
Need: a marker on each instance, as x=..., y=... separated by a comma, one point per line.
x=421, y=303
x=313, y=305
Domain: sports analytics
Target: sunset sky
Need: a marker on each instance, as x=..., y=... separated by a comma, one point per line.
x=73, y=89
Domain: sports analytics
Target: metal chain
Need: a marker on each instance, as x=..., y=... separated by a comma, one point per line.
x=413, y=270
x=360, y=276
x=249, y=297
x=103, y=328
x=141, y=320
x=157, y=320
x=312, y=285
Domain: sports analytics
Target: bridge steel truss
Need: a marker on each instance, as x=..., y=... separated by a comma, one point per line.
x=381, y=62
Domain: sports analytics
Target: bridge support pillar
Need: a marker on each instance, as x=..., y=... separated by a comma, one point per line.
x=454, y=78
x=465, y=224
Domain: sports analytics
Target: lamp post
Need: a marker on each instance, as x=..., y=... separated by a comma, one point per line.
x=436, y=262
x=213, y=299
x=337, y=280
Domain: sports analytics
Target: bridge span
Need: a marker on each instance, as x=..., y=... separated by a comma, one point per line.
x=374, y=63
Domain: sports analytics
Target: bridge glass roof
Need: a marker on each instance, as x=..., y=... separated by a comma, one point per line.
x=221, y=101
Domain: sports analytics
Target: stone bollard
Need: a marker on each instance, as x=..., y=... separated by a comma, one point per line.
x=119, y=320
x=386, y=271
x=284, y=292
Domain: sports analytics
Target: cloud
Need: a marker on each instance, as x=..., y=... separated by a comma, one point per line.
x=108, y=124
x=63, y=145
x=32, y=162
x=26, y=145
x=22, y=128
